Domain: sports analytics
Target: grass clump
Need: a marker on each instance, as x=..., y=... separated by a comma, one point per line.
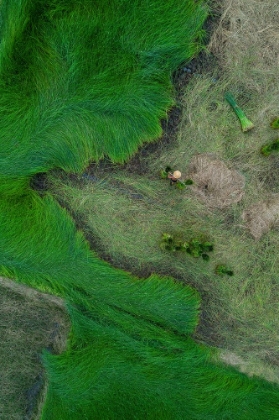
x=152, y=355
x=275, y=123
x=267, y=149
x=82, y=81
x=222, y=270
x=122, y=327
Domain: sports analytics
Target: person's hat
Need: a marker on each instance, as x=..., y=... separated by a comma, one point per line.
x=177, y=174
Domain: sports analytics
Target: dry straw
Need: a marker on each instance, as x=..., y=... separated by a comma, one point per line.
x=262, y=216
x=214, y=183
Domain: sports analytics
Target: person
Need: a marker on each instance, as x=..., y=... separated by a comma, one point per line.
x=174, y=177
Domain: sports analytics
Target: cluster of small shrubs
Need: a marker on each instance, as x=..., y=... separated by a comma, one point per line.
x=196, y=247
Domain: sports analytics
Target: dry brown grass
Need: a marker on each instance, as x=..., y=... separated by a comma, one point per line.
x=246, y=40
x=29, y=322
x=262, y=216
x=246, y=45
x=214, y=183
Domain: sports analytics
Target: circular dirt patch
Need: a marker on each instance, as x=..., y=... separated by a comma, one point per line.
x=262, y=216
x=214, y=183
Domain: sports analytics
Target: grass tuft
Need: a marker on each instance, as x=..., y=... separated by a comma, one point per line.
x=275, y=123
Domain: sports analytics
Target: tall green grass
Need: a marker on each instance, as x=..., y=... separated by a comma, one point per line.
x=79, y=81
x=149, y=374
x=130, y=354
x=241, y=311
x=58, y=260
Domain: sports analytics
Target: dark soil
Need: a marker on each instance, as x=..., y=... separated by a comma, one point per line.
x=39, y=182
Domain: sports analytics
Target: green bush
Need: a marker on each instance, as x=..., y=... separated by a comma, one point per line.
x=195, y=247
x=222, y=270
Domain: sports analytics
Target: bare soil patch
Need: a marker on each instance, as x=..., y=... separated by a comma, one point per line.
x=214, y=183
x=262, y=216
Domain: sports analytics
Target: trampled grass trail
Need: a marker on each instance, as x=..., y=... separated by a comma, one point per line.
x=80, y=81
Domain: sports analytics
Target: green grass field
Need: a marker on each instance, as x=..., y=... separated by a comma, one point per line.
x=240, y=313
x=79, y=82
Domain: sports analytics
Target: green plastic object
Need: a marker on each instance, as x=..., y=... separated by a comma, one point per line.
x=246, y=124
